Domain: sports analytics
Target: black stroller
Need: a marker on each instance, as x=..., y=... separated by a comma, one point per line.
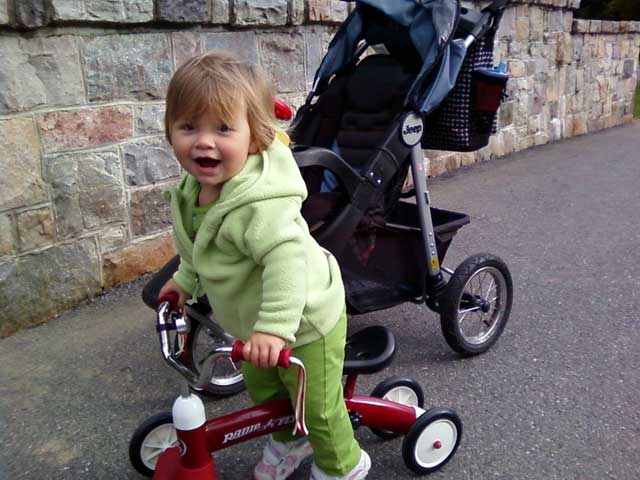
x=430, y=83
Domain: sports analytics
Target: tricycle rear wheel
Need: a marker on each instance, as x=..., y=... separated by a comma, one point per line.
x=432, y=440
x=476, y=304
x=400, y=390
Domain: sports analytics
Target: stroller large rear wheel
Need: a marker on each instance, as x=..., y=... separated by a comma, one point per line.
x=476, y=304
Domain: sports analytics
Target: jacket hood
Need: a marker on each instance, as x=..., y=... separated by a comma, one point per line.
x=273, y=173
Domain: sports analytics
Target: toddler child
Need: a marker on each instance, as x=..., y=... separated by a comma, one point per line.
x=243, y=242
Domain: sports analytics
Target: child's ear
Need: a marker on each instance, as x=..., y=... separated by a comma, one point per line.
x=253, y=145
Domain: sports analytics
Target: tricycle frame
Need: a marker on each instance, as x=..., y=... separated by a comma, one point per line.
x=197, y=438
x=191, y=459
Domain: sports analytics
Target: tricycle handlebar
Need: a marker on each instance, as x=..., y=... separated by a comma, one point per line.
x=284, y=360
x=171, y=297
x=169, y=319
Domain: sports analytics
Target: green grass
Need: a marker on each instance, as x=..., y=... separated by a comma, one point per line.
x=636, y=105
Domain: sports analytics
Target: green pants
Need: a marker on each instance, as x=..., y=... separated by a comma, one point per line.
x=335, y=450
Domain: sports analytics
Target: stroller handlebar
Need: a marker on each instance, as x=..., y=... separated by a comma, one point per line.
x=486, y=21
x=497, y=6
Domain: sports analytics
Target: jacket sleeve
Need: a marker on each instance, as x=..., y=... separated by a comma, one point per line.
x=186, y=277
x=274, y=237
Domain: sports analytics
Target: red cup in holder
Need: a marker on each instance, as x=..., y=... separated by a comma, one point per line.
x=488, y=87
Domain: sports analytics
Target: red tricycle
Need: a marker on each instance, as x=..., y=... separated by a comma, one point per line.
x=178, y=445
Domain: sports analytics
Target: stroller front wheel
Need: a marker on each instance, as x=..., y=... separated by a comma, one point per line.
x=476, y=304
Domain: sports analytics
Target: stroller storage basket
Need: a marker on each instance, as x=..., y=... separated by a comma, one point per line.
x=467, y=116
x=385, y=262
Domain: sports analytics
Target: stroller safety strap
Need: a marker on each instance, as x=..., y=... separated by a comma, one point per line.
x=325, y=158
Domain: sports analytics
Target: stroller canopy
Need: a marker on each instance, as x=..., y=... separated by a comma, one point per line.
x=416, y=32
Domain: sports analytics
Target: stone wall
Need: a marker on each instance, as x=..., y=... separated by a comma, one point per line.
x=84, y=159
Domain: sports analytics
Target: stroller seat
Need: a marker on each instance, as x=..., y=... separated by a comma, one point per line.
x=353, y=115
x=376, y=238
x=351, y=121
x=373, y=95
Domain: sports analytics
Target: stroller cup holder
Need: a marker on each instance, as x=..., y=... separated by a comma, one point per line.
x=488, y=89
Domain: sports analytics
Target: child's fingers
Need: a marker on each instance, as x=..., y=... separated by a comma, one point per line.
x=182, y=298
x=274, y=353
x=263, y=356
x=246, y=351
x=263, y=351
x=256, y=354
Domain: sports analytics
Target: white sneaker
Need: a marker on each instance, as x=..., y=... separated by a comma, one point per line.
x=358, y=473
x=280, y=459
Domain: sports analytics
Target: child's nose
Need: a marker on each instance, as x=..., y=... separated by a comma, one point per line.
x=205, y=141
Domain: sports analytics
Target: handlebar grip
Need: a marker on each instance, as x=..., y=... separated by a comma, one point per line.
x=497, y=6
x=171, y=297
x=284, y=360
x=281, y=110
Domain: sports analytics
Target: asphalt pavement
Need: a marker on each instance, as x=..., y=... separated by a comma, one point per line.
x=555, y=398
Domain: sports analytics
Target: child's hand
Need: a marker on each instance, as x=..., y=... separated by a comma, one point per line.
x=172, y=286
x=263, y=349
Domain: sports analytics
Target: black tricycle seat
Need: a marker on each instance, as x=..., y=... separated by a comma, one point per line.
x=369, y=350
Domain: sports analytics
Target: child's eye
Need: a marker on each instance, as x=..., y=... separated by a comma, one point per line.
x=224, y=128
x=186, y=126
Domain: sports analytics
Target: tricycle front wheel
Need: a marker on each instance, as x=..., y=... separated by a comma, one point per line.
x=476, y=304
x=226, y=378
x=151, y=438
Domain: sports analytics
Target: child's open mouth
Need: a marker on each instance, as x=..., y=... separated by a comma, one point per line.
x=207, y=163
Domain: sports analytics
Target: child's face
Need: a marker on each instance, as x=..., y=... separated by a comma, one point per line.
x=210, y=150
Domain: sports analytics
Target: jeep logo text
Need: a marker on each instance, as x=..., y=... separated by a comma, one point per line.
x=410, y=129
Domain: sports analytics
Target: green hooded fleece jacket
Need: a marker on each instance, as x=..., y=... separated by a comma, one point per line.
x=253, y=255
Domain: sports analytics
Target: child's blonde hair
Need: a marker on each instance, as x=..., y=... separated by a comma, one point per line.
x=216, y=82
